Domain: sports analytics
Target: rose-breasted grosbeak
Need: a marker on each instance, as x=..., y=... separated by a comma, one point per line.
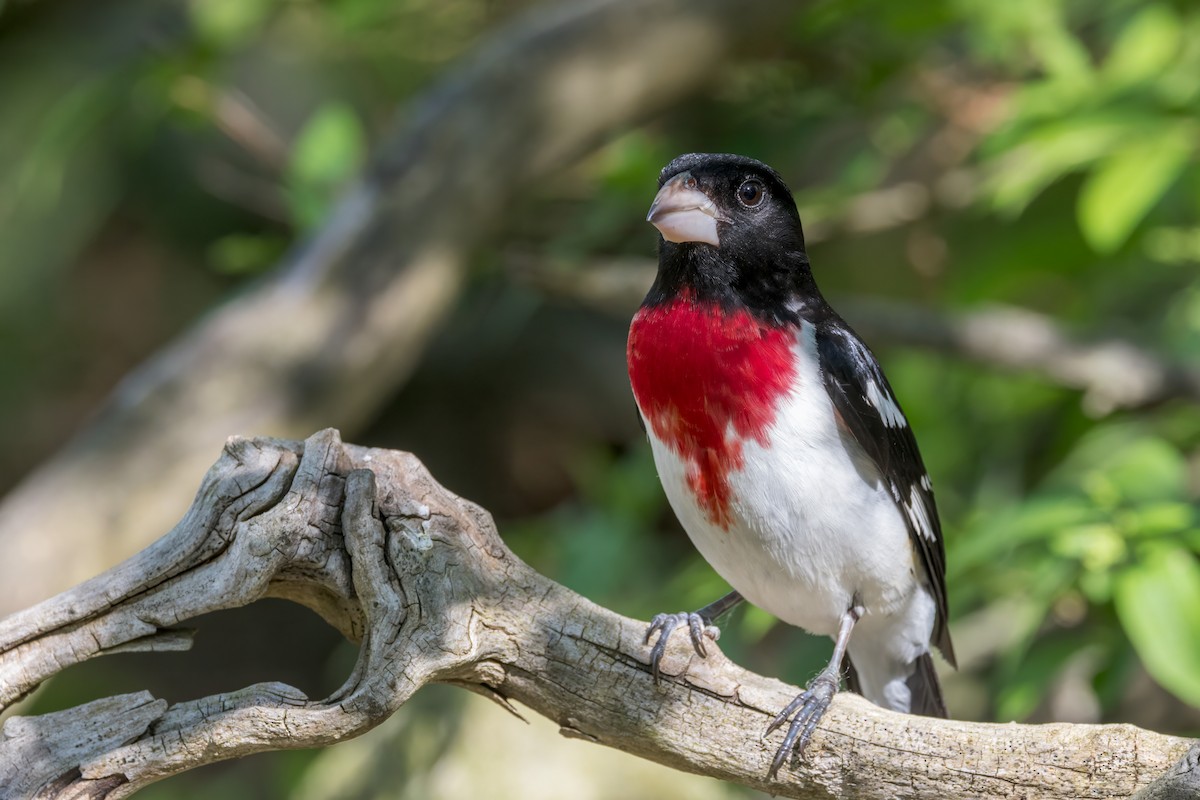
x=781, y=447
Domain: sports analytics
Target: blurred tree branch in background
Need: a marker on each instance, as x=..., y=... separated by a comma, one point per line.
x=370, y=541
x=329, y=336
x=1113, y=374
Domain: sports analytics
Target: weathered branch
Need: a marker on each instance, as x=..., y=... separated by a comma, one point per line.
x=1112, y=373
x=337, y=328
x=420, y=577
x=1181, y=782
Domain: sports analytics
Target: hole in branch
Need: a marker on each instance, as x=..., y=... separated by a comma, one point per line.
x=271, y=640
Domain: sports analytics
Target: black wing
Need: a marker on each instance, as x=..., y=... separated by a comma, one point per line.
x=864, y=401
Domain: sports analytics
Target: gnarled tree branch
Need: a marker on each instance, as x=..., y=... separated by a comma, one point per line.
x=420, y=577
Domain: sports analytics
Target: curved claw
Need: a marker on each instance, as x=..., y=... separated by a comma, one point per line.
x=808, y=707
x=665, y=624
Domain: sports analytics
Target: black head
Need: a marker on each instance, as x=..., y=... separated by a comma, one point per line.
x=730, y=232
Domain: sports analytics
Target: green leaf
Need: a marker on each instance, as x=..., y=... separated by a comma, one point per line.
x=1098, y=546
x=1147, y=470
x=1063, y=55
x=228, y=22
x=1123, y=466
x=1158, y=603
x=1038, y=518
x=329, y=146
x=1035, y=159
x=240, y=254
x=1146, y=46
x=327, y=152
x=1159, y=519
x=1097, y=587
x=1122, y=189
x=1173, y=244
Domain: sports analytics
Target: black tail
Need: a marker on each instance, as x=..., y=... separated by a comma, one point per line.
x=923, y=683
x=926, y=691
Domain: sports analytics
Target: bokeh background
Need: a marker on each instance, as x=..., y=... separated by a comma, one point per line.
x=1003, y=197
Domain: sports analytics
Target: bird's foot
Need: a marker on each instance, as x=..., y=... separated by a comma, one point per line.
x=665, y=624
x=805, y=712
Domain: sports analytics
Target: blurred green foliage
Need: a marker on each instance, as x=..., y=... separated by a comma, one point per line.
x=328, y=150
x=1041, y=153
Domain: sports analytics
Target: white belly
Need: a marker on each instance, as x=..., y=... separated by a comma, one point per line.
x=811, y=525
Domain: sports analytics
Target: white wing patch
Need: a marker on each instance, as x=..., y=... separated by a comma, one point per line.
x=891, y=414
x=917, y=514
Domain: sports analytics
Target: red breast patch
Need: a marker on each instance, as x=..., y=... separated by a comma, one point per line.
x=706, y=380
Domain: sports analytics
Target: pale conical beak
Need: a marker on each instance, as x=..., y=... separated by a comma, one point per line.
x=683, y=213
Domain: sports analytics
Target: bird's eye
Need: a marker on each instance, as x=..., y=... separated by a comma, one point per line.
x=751, y=193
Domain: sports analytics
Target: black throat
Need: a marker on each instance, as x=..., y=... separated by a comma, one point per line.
x=778, y=290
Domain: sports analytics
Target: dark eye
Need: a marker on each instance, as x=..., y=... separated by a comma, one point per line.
x=751, y=193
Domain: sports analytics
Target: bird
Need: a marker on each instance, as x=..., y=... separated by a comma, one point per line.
x=781, y=447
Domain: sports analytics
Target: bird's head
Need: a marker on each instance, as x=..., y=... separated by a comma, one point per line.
x=729, y=230
x=726, y=202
